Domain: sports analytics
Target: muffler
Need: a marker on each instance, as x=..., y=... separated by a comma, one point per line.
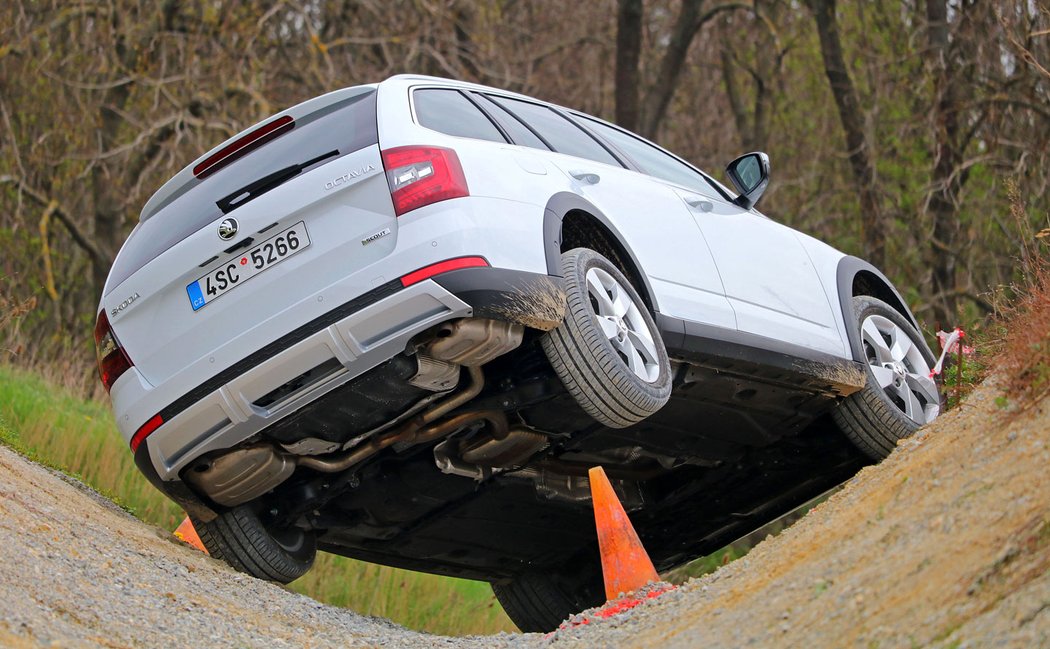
x=241, y=475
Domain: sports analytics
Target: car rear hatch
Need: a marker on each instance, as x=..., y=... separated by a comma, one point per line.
x=201, y=267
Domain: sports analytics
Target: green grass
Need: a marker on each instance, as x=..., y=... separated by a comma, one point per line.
x=79, y=437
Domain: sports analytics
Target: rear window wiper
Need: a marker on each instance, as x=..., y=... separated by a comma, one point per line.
x=257, y=188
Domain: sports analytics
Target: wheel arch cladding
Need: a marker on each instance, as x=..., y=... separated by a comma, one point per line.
x=571, y=222
x=858, y=277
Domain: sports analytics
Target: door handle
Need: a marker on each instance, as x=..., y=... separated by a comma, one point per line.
x=586, y=177
x=701, y=204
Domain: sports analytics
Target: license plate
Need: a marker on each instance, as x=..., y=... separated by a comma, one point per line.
x=238, y=270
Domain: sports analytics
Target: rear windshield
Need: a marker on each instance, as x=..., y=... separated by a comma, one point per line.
x=324, y=135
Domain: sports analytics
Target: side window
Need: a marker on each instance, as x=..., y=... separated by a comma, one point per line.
x=512, y=125
x=562, y=134
x=450, y=112
x=652, y=160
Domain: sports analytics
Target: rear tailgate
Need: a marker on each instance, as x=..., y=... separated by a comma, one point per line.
x=199, y=295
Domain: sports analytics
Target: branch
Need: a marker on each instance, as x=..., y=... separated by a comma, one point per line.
x=1000, y=100
x=97, y=258
x=685, y=28
x=156, y=132
x=45, y=250
x=35, y=35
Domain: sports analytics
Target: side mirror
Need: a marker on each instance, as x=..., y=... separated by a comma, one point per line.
x=750, y=175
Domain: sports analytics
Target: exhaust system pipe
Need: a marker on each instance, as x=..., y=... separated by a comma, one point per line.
x=416, y=431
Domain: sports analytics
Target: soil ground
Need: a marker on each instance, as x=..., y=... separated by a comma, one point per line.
x=945, y=544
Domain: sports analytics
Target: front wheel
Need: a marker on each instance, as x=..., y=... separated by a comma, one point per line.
x=899, y=395
x=607, y=351
x=241, y=539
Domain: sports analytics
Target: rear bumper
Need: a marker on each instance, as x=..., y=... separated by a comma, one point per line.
x=331, y=350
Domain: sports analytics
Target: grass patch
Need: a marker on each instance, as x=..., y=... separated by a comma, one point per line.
x=79, y=437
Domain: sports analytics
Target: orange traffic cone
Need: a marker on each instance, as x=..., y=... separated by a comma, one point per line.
x=185, y=533
x=625, y=564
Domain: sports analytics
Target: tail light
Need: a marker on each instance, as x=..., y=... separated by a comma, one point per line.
x=421, y=175
x=112, y=359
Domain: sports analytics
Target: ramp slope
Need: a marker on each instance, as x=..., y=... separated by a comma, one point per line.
x=945, y=544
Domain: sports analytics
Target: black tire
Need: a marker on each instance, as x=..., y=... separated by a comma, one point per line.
x=595, y=373
x=240, y=539
x=539, y=602
x=875, y=418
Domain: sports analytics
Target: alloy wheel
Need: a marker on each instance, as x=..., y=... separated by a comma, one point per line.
x=621, y=322
x=900, y=369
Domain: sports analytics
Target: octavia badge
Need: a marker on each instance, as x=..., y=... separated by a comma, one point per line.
x=227, y=229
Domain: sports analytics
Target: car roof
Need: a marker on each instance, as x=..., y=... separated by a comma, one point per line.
x=410, y=80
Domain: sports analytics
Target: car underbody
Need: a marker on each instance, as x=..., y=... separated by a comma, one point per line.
x=488, y=480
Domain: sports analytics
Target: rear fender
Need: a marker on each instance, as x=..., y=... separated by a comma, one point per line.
x=562, y=204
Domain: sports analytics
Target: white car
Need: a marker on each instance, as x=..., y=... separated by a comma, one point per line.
x=400, y=321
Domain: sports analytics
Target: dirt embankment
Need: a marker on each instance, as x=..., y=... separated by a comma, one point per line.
x=946, y=544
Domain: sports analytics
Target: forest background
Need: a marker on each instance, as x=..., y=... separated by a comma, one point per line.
x=902, y=132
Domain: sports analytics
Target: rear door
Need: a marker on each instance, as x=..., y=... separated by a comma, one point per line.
x=647, y=213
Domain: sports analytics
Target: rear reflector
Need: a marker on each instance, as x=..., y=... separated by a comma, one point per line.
x=143, y=432
x=112, y=359
x=427, y=272
x=244, y=145
x=421, y=175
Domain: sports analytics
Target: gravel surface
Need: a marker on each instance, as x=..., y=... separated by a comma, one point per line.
x=77, y=571
x=946, y=544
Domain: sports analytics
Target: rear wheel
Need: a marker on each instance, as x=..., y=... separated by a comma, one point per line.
x=538, y=602
x=900, y=396
x=240, y=538
x=607, y=351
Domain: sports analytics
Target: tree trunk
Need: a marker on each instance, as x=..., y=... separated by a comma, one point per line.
x=658, y=98
x=753, y=127
x=942, y=203
x=628, y=54
x=741, y=119
x=463, y=22
x=873, y=231
x=109, y=208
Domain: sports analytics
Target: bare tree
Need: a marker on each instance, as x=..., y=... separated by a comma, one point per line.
x=851, y=116
x=654, y=101
x=102, y=102
x=947, y=180
x=753, y=122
